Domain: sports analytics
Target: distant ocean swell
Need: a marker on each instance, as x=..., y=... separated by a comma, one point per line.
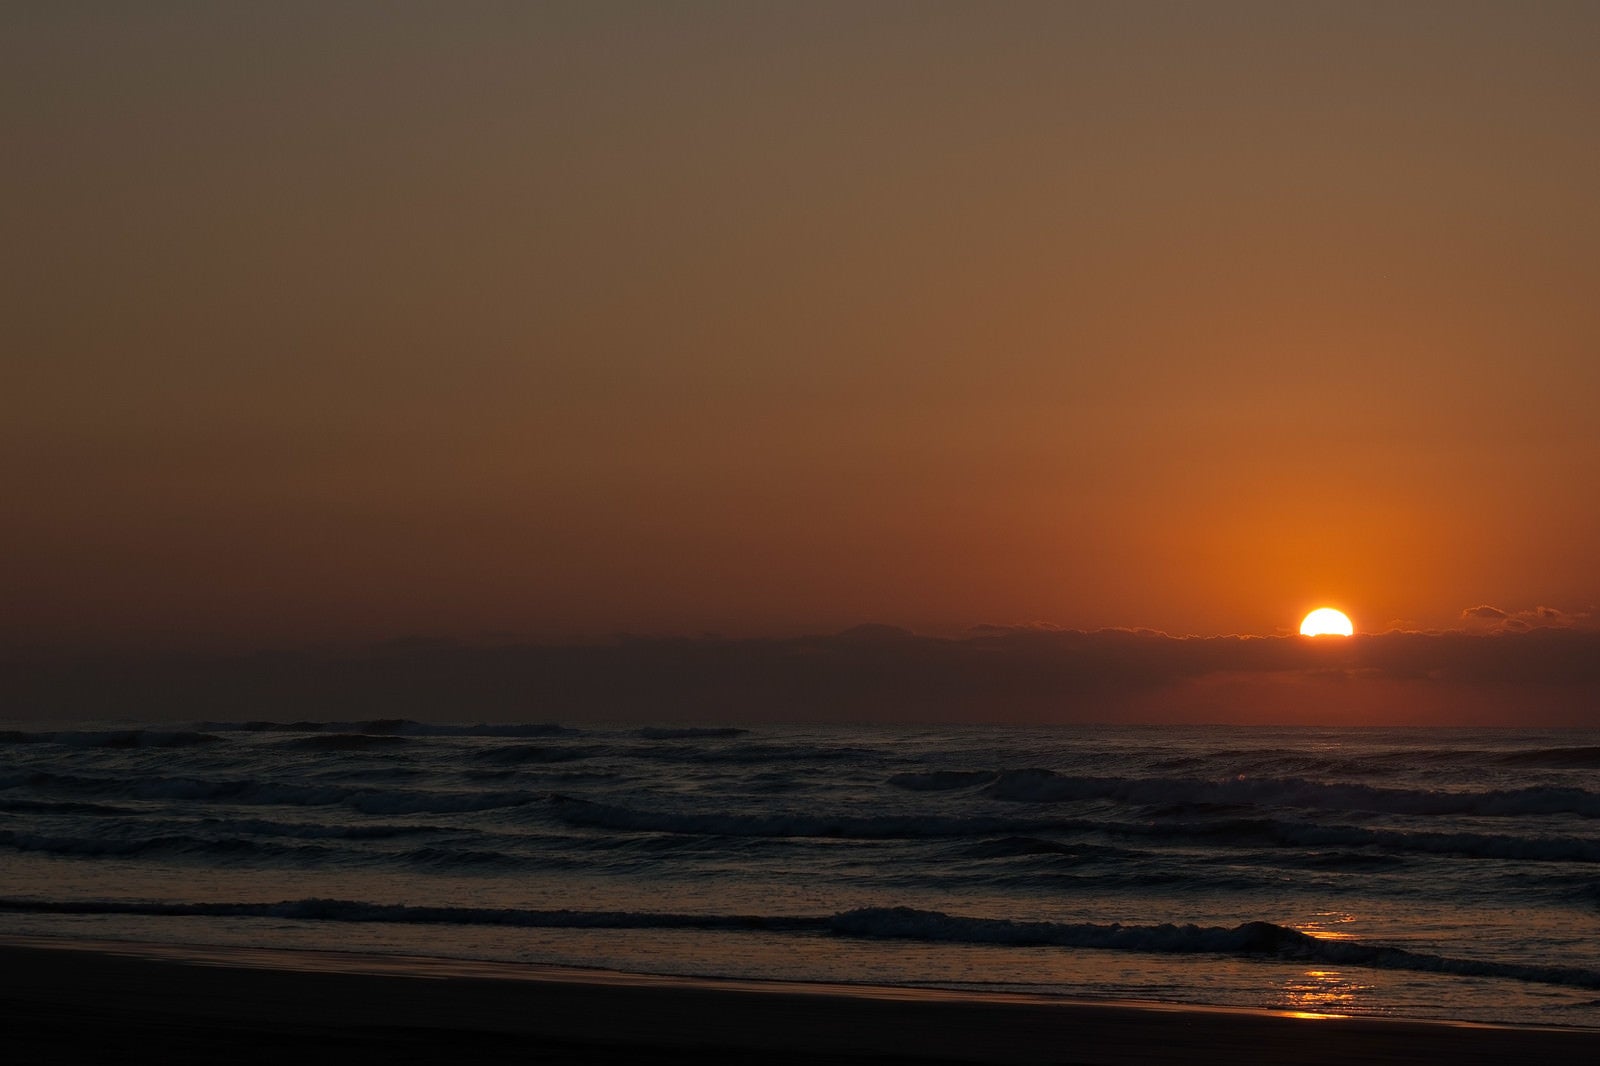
x=1250, y=939
x=1570, y=756
x=1027, y=785
x=1223, y=831
x=1031, y=786
x=1168, y=795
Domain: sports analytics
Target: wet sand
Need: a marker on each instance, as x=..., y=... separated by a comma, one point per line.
x=78, y=1002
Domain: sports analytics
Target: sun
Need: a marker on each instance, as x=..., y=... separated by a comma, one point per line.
x=1326, y=622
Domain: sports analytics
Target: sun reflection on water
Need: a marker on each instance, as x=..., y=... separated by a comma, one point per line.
x=1324, y=925
x=1325, y=992
x=1321, y=992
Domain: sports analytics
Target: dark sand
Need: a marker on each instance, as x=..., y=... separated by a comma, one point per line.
x=93, y=1003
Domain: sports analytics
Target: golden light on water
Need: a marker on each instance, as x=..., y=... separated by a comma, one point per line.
x=1321, y=993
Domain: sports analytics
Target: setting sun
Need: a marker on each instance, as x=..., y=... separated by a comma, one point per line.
x=1326, y=622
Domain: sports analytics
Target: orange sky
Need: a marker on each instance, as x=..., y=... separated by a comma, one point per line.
x=563, y=319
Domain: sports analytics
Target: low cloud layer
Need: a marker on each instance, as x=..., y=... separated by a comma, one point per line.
x=1487, y=618
x=1530, y=675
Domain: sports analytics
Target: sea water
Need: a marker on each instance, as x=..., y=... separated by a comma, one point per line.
x=1417, y=873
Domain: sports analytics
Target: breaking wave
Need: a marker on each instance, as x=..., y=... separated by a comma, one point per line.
x=1255, y=939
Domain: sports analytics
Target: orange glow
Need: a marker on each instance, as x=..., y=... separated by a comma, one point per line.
x=971, y=377
x=1326, y=622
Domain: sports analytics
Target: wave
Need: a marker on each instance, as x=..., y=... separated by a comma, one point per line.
x=1232, y=832
x=235, y=837
x=248, y=792
x=1572, y=758
x=117, y=739
x=457, y=859
x=337, y=910
x=653, y=733
x=170, y=844
x=1251, y=939
x=1210, y=826
x=313, y=830
x=1047, y=786
x=209, y=837
x=589, y=814
x=1283, y=833
x=1336, y=861
x=347, y=742
x=519, y=754
x=1463, y=844
x=1021, y=846
x=27, y=806
x=394, y=727
x=941, y=780
x=750, y=753
x=1255, y=939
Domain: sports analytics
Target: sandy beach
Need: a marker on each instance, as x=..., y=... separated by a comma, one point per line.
x=104, y=1002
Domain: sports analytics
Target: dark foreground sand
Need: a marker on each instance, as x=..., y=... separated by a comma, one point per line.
x=90, y=1003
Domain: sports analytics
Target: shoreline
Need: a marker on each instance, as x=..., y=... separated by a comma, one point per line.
x=161, y=1003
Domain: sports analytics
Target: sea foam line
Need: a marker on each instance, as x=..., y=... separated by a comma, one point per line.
x=1257, y=939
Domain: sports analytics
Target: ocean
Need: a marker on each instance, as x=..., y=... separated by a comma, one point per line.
x=1434, y=873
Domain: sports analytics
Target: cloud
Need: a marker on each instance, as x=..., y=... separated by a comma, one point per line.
x=1485, y=618
x=875, y=633
x=991, y=629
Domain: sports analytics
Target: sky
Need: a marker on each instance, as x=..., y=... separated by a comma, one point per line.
x=347, y=322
